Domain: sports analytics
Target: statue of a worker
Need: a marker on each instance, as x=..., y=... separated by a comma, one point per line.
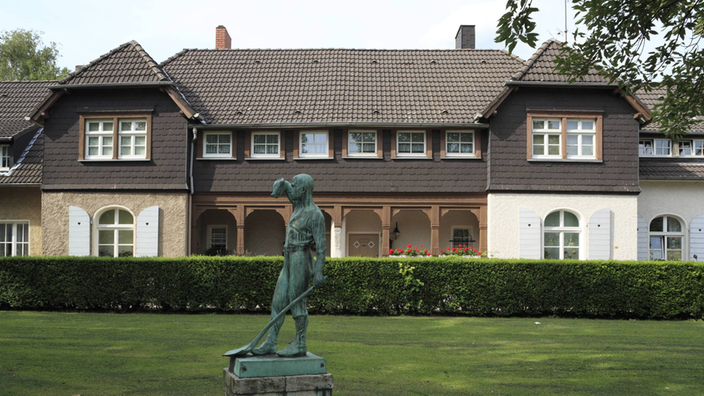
x=305, y=236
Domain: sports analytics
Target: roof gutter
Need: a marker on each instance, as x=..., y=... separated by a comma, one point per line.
x=6, y=139
x=561, y=84
x=295, y=125
x=112, y=85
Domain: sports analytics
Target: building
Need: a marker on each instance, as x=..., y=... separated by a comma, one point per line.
x=432, y=148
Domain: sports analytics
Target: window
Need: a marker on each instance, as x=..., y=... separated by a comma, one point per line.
x=580, y=138
x=459, y=144
x=217, y=145
x=133, y=138
x=99, y=139
x=314, y=144
x=410, y=144
x=265, y=144
x=562, y=236
x=692, y=148
x=217, y=237
x=547, y=136
x=666, y=234
x=4, y=157
x=115, y=231
x=14, y=239
x=654, y=147
x=461, y=235
x=362, y=144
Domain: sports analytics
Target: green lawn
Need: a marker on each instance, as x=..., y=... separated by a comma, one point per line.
x=43, y=353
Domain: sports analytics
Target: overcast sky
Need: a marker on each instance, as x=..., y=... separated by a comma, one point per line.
x=88, y=29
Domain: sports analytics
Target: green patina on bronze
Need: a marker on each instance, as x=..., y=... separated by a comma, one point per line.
x=304, y=257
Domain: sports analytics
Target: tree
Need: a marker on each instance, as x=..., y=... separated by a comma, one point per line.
x=24, y=56
x=615, y=43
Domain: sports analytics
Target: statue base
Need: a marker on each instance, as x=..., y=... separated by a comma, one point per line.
x=275, y=366
x=295, y=385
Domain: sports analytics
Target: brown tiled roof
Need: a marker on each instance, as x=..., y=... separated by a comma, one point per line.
x=17, y=99
x=340, y=85
x=541, y=67
x=28, y=168
x=128, y=63
x=655, y=96
x=671, y=169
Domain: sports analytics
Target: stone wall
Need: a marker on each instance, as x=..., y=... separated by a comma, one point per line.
x=24, y=204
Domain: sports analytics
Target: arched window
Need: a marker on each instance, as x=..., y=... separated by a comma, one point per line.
x=561, y=237
x=666, y=234
x=115, y=230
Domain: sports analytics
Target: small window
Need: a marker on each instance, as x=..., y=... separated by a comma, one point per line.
x=314, y=144
x=217, y=237
x=14, y=239
x=561, y=239
x=547, y=138
x=666, y=239
x=410, y=144
x=461, y=235
x=133, y=138
x=99, y=139
x=581, y=135
x=655, y=147
x=645, y=147
x=4, y=157
x=265, y=144
x=217, y=144
x=691, y=148
x=115, y=231
x=459, y=144
x=362, y=144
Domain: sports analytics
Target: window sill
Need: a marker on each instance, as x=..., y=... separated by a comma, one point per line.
x=116, y=160
x=312, y=158
x=402, y=157
x=461, y=158
x=593, y=161
x=362, y=157
x=265, y=159
x=664, y=156
x=216, y=159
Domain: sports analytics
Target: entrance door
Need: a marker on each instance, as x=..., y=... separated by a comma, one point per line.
x=363, y=245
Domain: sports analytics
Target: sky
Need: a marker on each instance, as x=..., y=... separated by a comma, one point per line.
x=85, y=30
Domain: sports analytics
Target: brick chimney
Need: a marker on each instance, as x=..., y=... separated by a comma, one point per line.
x=465, y=37
x=222, y=38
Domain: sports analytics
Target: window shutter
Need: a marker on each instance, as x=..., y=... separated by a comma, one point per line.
x=148, y=232
x=642, y=239
x=696, y=238
x=78, y=232
x=530, y=244
x=600, y=235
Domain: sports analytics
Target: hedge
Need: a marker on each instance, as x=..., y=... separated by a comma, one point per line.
x=424, y=286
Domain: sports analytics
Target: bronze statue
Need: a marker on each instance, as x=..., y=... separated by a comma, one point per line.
x=305, y=234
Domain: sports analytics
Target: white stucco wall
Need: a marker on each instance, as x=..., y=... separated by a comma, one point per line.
x=682, y=199
x=503, y=225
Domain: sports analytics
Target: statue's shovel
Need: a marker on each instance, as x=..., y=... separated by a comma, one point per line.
x=248, y=348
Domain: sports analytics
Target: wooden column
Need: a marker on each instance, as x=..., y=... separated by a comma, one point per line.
x=435, y=230
x=240, y=217
x=385, y=230
x=482, y=229
x=195, y=235
x=336, y=233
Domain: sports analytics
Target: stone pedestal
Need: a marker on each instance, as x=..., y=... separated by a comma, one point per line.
x=274, y=376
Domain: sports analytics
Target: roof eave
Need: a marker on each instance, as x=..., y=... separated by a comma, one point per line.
x=561, y=84
x=296, y=125
x=112, y=85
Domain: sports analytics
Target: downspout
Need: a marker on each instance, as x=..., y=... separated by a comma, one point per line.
x=190, y=203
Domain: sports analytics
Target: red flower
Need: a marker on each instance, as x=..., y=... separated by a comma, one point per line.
x=391, y=251
x=428, y=253
x=421, y=245
x=409, y=245
x=425, y=251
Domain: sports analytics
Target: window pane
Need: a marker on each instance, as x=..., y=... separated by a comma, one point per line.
x=418, y=148
x=552, y=239
x=674, y=242
x=93, y=141
x=125, y=150
x=93, y=127
x=453, y=148
x=588, y=125
x=107, y=217
x=656, y=224
x=673, y=225
x=588, y=150
x=92, y=151
x=553, y=139
x=538, y=124
x=538, y=149
x=125, y=126
x=224, y=139
x=467, y=137
x=224, y=149
x=655, y=243
x=538, y=139
x=572, y=150
x=674, y=255
x=125, y=237
x=572, y=139
x=213, y=148
x=572, y=125
x=355, y=148
x=571, y=253
x=320, y=149
x=271, y=149
x=553, y=150
x=571, y=239
x=211, y=138
x=107, y=151
x=369, y=137
x=552, y=253
x=369, y=147
x=404, y=137
x=305, y=138
x=453, y=137
x=106, y=237
x=274, y=139
x=140, y=140
x=107, y=126
x=125, y=251
x=260, y=138
x=304, y=148
x=418, y=137
x=125, y=217
x=107, y=141
x=355, y=136
x=571, y=220
x=106, y=251
x=466, y=148
x=588, y=139
x=321, y=138
x=140, y=126
x=553, y=124
x=125, y=140
x=259, y=149
x=404, y=148
x=140, y=150
x=553, y=220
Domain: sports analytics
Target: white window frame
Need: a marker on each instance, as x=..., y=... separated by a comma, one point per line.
x=116, y=228
x=664, y=234
x=132, y=134
x=580, y=132
x=411, y=153
x=217, y=153
x=654, y=147
x=101, y=134
x=265, y=155
x=460, y=227
x=362, y=153
x=210, y=234
x=460, y=143
x=14, y=242
x=546, y=133
x=561, y=230
x=325, y=145
x=695, y=145
x=4, y=157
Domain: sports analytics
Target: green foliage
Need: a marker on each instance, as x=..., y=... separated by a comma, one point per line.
x=363, y=286
x=618, y=34
x=24, y=56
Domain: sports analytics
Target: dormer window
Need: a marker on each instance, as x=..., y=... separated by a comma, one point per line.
x=410, y=144
x=568, y=136
x=99, y=139
x=692, y=148
x=115, y=138
x=133, y=139
x=4, y=157
x=654, y=148
x=217, y=145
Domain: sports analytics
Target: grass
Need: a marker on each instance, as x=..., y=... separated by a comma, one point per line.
x=45, y=353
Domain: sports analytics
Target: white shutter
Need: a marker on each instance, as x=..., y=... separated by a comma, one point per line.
x=530, y=245
x=600, y=235
x=696, y=238
x=148, y=232
x=642, y=239
x=78, y=232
